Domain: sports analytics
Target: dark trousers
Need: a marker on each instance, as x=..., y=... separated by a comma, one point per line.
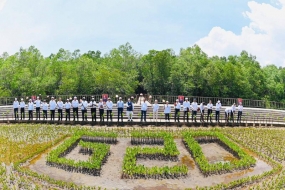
x=194, y=114
x=187, y=115
x=143, y=115
x=93, y=114
x=84, y=115
x=75, y=113
x=67, y=114
x=120, y=113
x=239, y=116
x=232, y=116
x=22, y=113
x=217, y=116
x=16, y=115
x=101, y=111
x=209, y=115
x=202, y=116
x=30, y=114
x=45, y=114
x=59, y=114
x=177, y=114
x=38, y=114
x=167, y=116
x=52, y=114
x=109, y=113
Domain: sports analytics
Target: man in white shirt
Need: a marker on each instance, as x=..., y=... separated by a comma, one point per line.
x=67, y=109
x=240, y=109
x=186, y=108
x=109, y=105
x=93, y=104
x=233, y=111
x=167, y=111
x=45, y=109
x=59, y=109
x=218, y=108
x=130, y=108
x=16, y=108
x=101, y=110
x=38, y=108
x=143, y=110
x=84, y=106
x=52, y=106
x=120, y=106
x=202, y=112
x=194, y=106
x=228, y=111
x=22, y=108
x=31, y=109
x=74, y=105
x=210, y=111
x=177, y=107
x=155, y=108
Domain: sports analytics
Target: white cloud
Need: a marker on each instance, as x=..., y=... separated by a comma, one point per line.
x=264, y=36
x=2, y=4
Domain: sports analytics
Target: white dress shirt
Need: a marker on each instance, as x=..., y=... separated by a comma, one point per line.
x=178, y=106
x=30, y=106
x=16, y=104
x=144, y=106
x=210, y=106
x=75, y=103
x=228, y=110
x=84, y=105
x=186, y=104
x=22, y=104
x=101, y=105
x=67, y=105
x=120, y=104
x=38, y=103
x=52, y=105
x=155, y=107
x=109, y=105
x=45, y=106
x=60, y=104
x=201, y=107
x=92, y=104
x=240, y=107
x=218, y=106
x=167, y=108
x=194, y=106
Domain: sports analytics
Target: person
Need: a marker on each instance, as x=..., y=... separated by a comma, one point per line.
x=155, y=108
x=52, y=106
x=84, y=106
x=22, y=108
x=177, y=107
x=74, y=105
x=93, y=104
x=228, y=111
x=31, y=109
x=120, y=105
x=233, y=111
x=218, y=108
x=38, y=108
x=67, y=109
x=143, y=110
x=109, y=105
x=16, y=108
x=194, y=107
x=59, y=109
x=167, y=110
x=210, y=110
x=45, y=109
x=101, y=110
x=186, y=108
x=202, y=112
x=240, y=109
x=130, y=108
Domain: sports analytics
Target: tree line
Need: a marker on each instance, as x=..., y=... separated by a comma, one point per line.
x=125, y=71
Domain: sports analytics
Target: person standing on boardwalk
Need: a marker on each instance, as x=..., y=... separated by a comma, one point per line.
x=45, y=109
x=194, y=106
x=240, y=109
x=84, y=106
x=22, y=108
x=101, y=110
x=31, y=109
x=120, y=106
x=177, y=107
x=74, y=105
x=228, y=112
x=93, y=104
x=59, y=109
x=167, y=111
x=143, y=110
x=52, y=106
x=130, y=108
x=67, y=109
x=155, y=108
x=233, y=111
x=218, y=108
x=16, y=106
x=109, y=105
x=202, y=112
x=210, y=111
x=38, y=108
x=186, y=108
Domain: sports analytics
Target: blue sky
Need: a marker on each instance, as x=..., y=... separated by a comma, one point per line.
x=221, y=27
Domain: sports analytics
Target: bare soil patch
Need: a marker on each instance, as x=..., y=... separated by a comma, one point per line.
x=110, y=177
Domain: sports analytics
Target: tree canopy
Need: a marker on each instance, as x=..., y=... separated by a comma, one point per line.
x=125, y=71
